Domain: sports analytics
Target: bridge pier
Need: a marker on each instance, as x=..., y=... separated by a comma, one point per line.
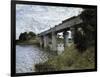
x=41, y=41
x=46, y=41
x=54, y=45
x=72, y=32
x=64, y=27
x=65, y=35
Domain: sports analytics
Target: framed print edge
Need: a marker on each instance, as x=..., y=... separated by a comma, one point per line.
x=13, y=38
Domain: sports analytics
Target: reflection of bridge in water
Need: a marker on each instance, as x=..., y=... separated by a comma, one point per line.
x=49, y=37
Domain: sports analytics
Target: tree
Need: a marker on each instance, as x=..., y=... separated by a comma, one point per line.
x=27, y=36
x=89, y=17
x=32, y=34
x=87, y=38
x=23, y=36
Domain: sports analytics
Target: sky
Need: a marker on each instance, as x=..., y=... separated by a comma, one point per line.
x=38, y=18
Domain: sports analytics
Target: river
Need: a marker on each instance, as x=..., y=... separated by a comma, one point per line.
x=29, y=55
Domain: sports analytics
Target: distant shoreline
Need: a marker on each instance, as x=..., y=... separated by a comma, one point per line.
x=27, y=42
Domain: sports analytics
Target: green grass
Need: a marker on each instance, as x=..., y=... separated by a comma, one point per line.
x=71, y=59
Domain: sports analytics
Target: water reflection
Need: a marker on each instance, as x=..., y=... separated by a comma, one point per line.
x=26, y=56
x=29, y=55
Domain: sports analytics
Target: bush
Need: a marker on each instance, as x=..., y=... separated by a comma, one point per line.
x=71, y=59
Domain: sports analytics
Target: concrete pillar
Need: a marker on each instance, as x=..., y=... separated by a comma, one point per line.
x=41, y=41
x=65, y=35
x=54, y=45
x=46, y=41
x=73, y=32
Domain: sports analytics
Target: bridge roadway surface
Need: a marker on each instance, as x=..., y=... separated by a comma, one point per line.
x=64, y=25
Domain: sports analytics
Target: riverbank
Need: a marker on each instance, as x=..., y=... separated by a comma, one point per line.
x=70, y=59
x=27, y=42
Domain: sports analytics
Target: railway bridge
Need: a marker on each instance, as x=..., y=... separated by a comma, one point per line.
x=49, y=37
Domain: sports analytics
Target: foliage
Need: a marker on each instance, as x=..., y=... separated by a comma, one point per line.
x=80, y=40
x=89, y=17
x=70, y=59
x=32, y=34
x=23, y=36
x=85, y=37
x=27, y=36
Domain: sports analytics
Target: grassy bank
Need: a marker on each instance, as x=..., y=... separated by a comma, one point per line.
x=27, y=42
x=70, y=59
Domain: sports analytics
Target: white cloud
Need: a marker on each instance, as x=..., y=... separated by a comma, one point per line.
x=38, y=18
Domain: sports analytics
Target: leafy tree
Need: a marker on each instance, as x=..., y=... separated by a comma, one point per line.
x=26, y=36
x=86, y=36
x=89, y=17
x=32, y=34
x=23, y=36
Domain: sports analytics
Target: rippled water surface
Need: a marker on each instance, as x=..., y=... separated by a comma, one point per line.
x=27, y=56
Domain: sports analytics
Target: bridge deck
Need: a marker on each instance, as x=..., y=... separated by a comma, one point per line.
x=64, y=25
